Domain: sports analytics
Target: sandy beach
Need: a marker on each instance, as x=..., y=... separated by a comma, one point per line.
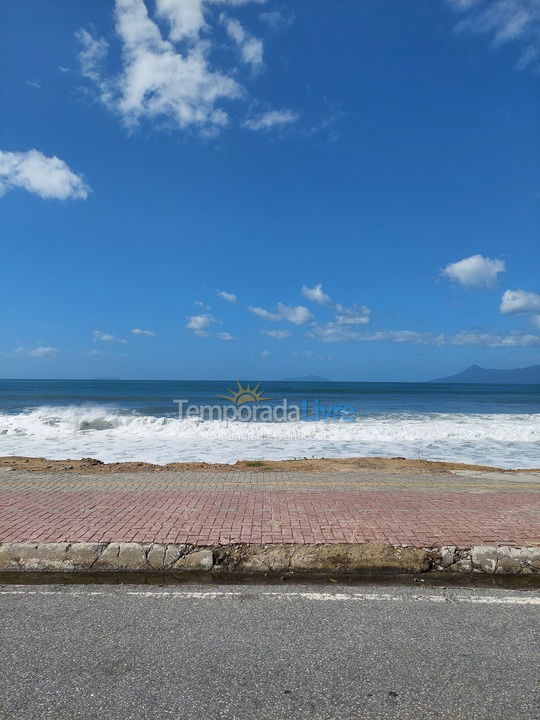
x=392, y=465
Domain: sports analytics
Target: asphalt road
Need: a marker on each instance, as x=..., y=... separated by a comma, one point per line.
x=253, y=651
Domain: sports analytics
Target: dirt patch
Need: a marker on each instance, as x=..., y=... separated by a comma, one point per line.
x=91, y=465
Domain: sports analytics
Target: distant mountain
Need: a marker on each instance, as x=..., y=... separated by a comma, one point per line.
x=306, y=378
x=476, y=374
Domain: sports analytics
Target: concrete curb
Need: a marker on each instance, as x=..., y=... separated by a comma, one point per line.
x=266, y=559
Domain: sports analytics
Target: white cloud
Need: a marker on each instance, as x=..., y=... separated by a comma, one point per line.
x=201, y=304
x=296, y=314
x=275, y=19
x=504, y=21
x=157, y=80
x=265, y=353
x=335, y=333
x=330, y=332
x=353, y=315
x=237, y=3
x=316, y=294
x=227, y=296
x=48, y=177
x=199, y=324
x=352, y=319
x=264, y=314
x=476, y=270
x=107, y=337
x=186, y=18
x=271, y=119
x=251, y=48
x=92, y=53
x=38, y=352
x=140, y=331
x=512, y=340
x=174, y=71
x=277, y=334
x=520, y=301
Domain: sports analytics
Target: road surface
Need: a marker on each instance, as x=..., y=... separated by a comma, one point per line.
x=242, y=652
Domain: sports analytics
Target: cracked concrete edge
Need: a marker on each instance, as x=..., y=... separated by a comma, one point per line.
x=268, y=559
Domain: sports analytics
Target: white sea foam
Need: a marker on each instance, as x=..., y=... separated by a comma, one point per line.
x=507, y=440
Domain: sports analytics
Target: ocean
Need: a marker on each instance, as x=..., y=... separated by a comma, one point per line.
x=138, y=420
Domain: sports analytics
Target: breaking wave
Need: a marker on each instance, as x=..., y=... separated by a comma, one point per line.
x=109, y=434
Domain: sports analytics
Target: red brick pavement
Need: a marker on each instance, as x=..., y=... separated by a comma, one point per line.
x=277, y=516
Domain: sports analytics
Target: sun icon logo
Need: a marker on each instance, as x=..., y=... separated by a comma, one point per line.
x=246, y=394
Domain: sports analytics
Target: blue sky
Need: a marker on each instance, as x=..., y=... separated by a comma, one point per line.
x=359, y=180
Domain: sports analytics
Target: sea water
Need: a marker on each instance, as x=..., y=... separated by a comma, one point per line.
x=138, y=421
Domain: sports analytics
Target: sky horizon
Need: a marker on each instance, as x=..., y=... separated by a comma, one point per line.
x=257, y=189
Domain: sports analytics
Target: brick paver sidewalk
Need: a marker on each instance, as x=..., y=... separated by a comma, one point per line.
x=275, y=507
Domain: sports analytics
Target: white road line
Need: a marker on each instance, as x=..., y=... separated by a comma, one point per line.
x=348, y=597
x=480, y=599
x=49, y=592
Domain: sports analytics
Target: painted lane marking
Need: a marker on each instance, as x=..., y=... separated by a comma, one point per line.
x=347, y=597
x=298, y=595
x=49, y=592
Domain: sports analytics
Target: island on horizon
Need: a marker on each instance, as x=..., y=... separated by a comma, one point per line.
x=475, y=374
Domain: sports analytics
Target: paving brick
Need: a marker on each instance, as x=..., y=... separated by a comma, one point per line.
x=209, y=508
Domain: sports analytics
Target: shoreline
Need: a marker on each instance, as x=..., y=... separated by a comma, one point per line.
x=357, y=464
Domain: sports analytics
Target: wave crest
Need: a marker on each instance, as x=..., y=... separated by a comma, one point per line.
x=111, y=434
